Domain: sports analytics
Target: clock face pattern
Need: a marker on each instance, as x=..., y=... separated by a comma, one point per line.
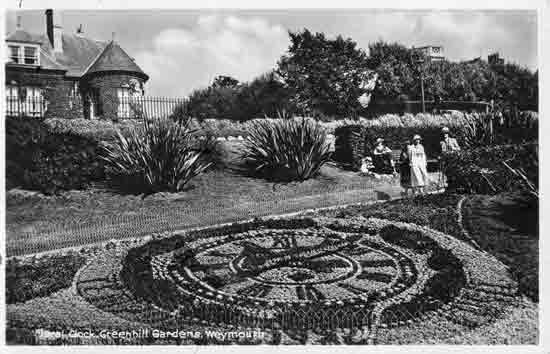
x=290, y=267
x=300, y=272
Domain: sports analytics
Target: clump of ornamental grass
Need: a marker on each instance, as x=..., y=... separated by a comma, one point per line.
x=161, y=155
x=286, y=150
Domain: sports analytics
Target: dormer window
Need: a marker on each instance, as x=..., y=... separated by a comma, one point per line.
x=13, y=53
x=25, y=54
x=31, y=56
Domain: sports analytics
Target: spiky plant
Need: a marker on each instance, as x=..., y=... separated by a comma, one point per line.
x=478, y=130
x=287, y=150
x=163, y=155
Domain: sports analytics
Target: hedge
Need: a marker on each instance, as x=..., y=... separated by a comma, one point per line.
x=38, y=159
x=482, y=170
x=356, y=140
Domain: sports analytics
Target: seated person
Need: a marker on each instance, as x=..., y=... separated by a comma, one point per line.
x=366, y=165
x=382, y=158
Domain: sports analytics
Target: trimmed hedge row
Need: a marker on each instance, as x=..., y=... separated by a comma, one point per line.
x=482, y=170
x=355, y=142
x=38, y=159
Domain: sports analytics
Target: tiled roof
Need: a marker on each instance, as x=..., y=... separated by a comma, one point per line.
x=24, y=36
x=114, y=58
x=80, y=55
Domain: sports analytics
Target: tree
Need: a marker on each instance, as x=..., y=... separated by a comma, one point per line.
x=327, y=75
x=224, y=81
x=396, y=75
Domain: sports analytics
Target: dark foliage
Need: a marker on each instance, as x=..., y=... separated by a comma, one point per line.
x=37, y=159
x=327, y=75
x=399, y=79
x=228, y=99
x=25, y=281
x=482, y=170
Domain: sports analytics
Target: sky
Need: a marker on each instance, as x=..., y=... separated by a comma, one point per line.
x=183, y=50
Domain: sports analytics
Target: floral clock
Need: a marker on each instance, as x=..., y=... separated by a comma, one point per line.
x=305, y=273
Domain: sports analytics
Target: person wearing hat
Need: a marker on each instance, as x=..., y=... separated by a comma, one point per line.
x=382, y=158
x=417, y=161
x=448, y=144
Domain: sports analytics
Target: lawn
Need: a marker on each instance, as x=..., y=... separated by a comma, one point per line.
x=36, y=222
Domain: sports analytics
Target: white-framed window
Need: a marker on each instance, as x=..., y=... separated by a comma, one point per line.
x=126, y=98
x=25, y=101
x=26, y=54
x=13, y=53
x=123, y=94
x=73, y=94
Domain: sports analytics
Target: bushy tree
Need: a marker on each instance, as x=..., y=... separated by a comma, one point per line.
x=224, y=81
x=396, y=75
x=226, y=98
x=327, y=75
x=399, y=78
x=266, y=96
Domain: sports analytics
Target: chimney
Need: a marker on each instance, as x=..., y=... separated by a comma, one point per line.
x=49, y=25
x=54, y=30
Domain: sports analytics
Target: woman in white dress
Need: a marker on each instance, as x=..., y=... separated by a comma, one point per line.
x=417, y=158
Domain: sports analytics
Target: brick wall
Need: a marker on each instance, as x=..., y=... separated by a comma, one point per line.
x=106, y=85
x=55, y=87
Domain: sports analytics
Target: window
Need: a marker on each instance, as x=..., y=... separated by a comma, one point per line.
x=24, y=54
x=123, y=94
x=24, y=101
x=30, y=56
x=13, y=53
x=73, y=94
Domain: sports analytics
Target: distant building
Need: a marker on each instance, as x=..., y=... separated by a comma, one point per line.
x=495, y=59
x=432, y=52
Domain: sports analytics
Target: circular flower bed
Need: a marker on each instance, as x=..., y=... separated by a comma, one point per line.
x=305, y=273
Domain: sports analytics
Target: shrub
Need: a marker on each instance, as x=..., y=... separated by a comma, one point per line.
x=25, y=281
x=483, y=170
x=226, y=98
x=162, y=155
x=98, y=130
x=38, y=159
x=286, y=150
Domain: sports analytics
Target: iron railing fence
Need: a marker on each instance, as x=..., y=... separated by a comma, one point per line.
x=149, y=107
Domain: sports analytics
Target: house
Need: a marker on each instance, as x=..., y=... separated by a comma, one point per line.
x=61, y=74
x=495, y=59
x=432, y=52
